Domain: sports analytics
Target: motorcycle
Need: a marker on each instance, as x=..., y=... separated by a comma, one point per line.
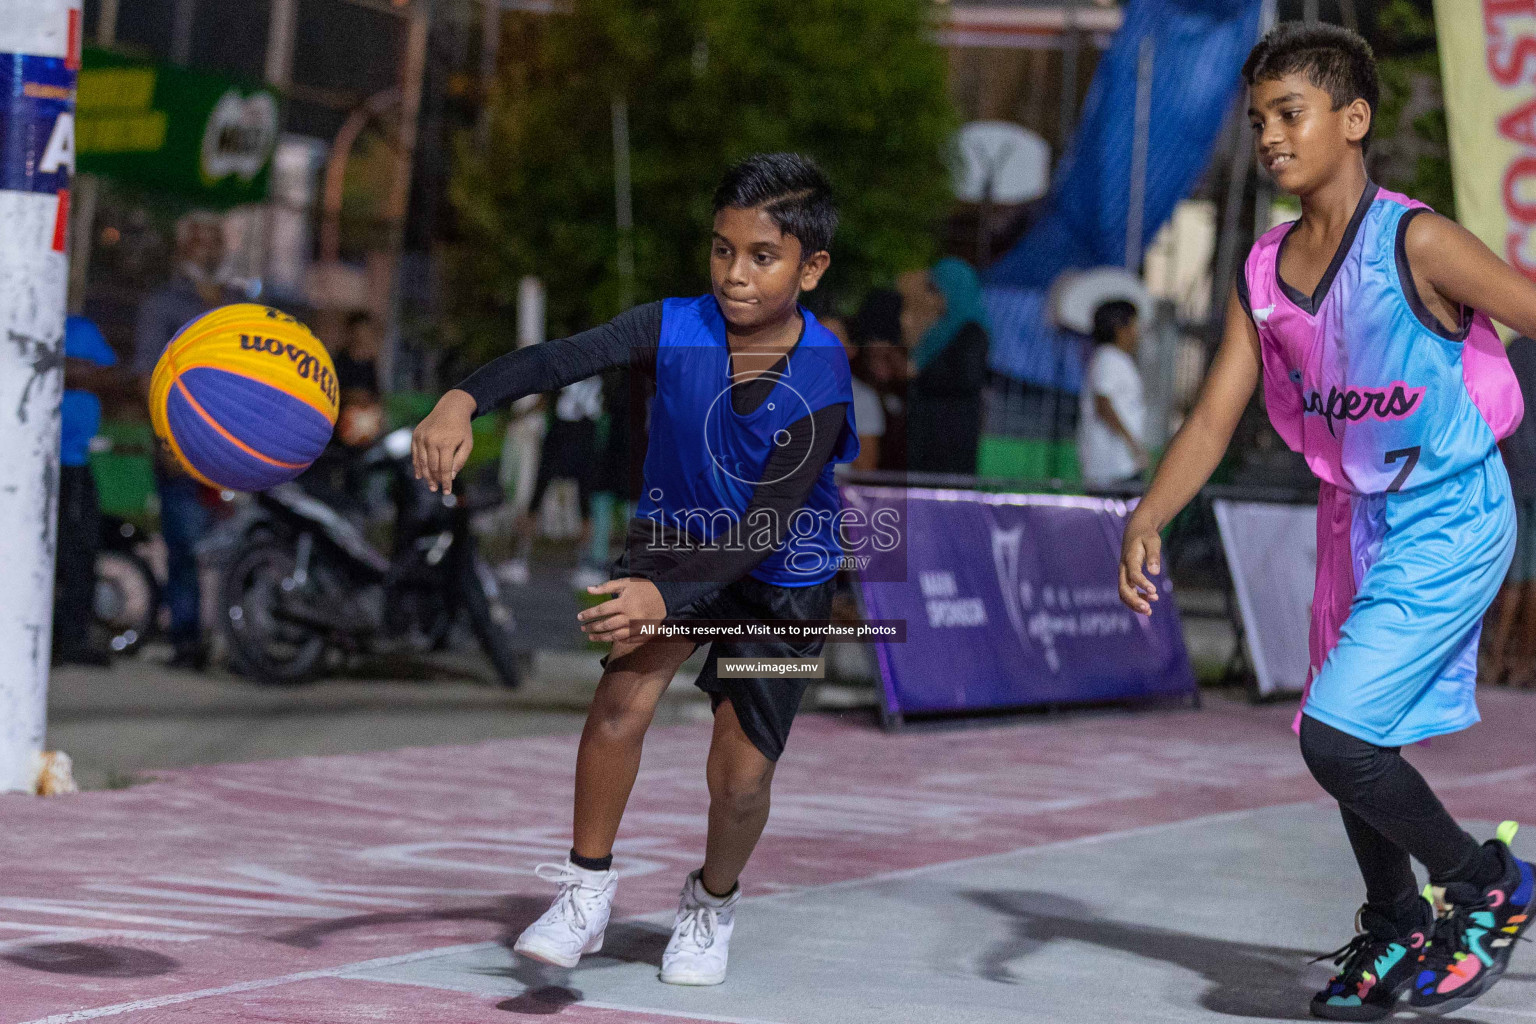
x=305, y=585
x=127, y=596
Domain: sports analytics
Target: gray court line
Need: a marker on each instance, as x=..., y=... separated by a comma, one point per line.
x=173, y=999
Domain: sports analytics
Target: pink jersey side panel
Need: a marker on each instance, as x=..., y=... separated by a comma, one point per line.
x=1283, y=403
x=1293, y=360
x=1334, y=589
x=1490, y=379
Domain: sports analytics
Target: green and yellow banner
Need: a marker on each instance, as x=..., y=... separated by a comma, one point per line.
x=1488, y=66
x=172, y=129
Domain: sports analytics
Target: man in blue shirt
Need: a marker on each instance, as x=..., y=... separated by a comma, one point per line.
x=88, y=362
x=737, y=524
x=195, y=288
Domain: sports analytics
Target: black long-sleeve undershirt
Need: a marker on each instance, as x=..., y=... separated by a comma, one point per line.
x=633, y=339
x=630, y=339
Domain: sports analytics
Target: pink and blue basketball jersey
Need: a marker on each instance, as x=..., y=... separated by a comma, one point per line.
x=1400, y=418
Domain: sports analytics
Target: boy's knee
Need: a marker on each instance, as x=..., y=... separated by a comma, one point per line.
x=620, y=716
x=1342, y=764
x=741, y=794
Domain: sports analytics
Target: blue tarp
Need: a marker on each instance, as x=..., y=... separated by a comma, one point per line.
x=1027, y=346
x=1200, y=48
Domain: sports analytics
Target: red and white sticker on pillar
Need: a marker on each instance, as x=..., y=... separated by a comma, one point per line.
x=38, y=121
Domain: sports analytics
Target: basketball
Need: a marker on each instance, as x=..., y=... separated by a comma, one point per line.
x=244, y=397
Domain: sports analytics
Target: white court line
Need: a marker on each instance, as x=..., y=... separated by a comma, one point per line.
x=251, y=986
x=676, y=1013
x=1060, y=844
x=1494, y=778
x=156, y=1002
x=649, y=1011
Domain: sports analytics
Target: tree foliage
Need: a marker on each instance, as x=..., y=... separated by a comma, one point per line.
x=857, y=84
x=1412, y=151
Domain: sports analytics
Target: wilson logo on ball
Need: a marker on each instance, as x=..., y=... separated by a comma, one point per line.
x=309, y=366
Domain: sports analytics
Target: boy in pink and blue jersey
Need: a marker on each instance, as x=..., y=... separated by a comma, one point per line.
x=1368, y=321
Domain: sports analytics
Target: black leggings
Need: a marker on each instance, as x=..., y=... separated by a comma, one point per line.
x=1390, y=814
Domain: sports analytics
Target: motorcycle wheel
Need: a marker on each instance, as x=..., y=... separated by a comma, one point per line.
x=126, y=599
x=262, y=645
x=489, y=617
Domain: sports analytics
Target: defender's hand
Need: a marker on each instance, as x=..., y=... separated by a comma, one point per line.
x=1141, y=552
x=440, y=444
x=634, y=599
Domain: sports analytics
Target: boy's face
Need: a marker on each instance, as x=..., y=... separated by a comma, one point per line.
x=1129, y=336
x=1298, y=136
x=757, y=272
x=921, y=305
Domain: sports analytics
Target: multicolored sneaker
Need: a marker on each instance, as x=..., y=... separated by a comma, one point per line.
x=1472, y=942
x=1374, y=970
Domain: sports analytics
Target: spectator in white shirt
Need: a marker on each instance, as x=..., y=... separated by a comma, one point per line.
x=1112, y=408
x=868, y=413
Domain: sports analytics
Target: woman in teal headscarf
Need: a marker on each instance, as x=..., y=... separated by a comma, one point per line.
x=947, y=327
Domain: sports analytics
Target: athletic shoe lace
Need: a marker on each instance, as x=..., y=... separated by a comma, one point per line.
x=696, y=932
x=1448, y=940
x=1355, y=957
x=569, y=904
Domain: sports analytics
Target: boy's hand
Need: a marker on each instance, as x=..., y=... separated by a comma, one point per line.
x=634, y=599
x=440, y=444
x=1142, y=547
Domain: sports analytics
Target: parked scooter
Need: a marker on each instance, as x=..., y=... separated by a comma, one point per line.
x=127, y=596
x=305, y=586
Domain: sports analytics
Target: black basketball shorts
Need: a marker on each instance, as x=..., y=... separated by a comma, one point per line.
x=764, y=706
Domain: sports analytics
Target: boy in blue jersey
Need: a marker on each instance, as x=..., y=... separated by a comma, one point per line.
x=737, y=521
x=1368, y=322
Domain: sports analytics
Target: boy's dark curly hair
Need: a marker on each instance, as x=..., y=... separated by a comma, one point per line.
x=1336, y=60
x=791, y=189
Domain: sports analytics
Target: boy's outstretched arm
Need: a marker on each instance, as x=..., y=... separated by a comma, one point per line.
x=1462, y=270
x=1192, y=456
x=441, y=443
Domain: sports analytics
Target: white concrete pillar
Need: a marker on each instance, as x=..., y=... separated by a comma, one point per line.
x=40, y=57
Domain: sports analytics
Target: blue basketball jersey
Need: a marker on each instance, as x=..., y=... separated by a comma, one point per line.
x=704, y=459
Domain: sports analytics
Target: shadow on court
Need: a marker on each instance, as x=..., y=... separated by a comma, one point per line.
x=508, y=912
x=547, y=989
x=1246, y=979
x=91, y=960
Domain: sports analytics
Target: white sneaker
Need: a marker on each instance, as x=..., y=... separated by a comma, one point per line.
x=575, y=922
x=514, y=571
x=701, y=936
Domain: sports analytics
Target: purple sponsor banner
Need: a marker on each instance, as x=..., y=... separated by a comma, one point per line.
x=1010, y=601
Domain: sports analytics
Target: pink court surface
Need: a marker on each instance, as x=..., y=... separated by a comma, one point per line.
x=1165, y=865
